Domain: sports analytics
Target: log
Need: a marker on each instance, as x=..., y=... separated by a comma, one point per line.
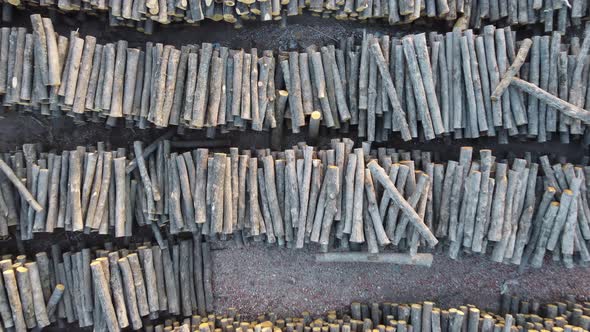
x=116, y=284
x=427, y=75
x=145, y=178
x=121, y=192
x=41, y=48
x=315, y=185
x=271, y=190
x=382, y=258
x=25, y=194
x=101, y=287
x=37, y=293
x=185, y=276
x=443, y=221
x=320, y=85
x=227, y=199
x=356, y=234
x=26, y=296
x=55, y=299
x=150, y=280
x=548, y=220
x=552, y=101
x=171, y=286
x=138, y=283
x=294, y=88
x=218, y=172
x=525, y=46
x=14, y=300
x=104, y=190
x=198, y=274
x=207, y=275
x=331, y=179
x=198, y=111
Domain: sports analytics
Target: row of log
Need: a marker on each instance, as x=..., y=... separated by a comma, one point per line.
x=113, y=289
x=106, y=288
x=522, y=212
x=420, y=86
x=143, y=15
x=514, y=314
x=344, y=197
x=83, y=190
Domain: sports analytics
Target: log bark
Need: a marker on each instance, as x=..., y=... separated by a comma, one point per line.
x=356, y=234
x=117, y=291
x=382, y=258
x=102, y=289
x=26, y=296
x=552, y=101
x=198, y=111
x=271, y=190
x=525, y=46
x=14, y=300
x=25, y=194
x=139, y=284
x=37, y=292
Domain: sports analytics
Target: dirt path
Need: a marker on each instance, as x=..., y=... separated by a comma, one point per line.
x=259, y=279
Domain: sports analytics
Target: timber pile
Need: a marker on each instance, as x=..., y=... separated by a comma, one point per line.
x=110, y=290
x=107, y=288
x=419, y=86
x=342, y=197
x=555, y=15
x=514, y=315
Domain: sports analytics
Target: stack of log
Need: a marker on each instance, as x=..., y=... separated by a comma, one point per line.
x=86, y=190
x=107, y=288
x=514, y=314
x=111, y=290
x=341, y=197
x=421, y=86
x=143, y=15
x=512, y=205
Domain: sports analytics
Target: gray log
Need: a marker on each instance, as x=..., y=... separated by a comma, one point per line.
x=382, y=258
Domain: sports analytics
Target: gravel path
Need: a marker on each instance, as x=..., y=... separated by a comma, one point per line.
x=260, y=279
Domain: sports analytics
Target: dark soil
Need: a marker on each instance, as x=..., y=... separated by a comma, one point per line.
x=259, y=279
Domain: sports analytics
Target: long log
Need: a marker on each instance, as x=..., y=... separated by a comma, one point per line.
x=382, y=258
